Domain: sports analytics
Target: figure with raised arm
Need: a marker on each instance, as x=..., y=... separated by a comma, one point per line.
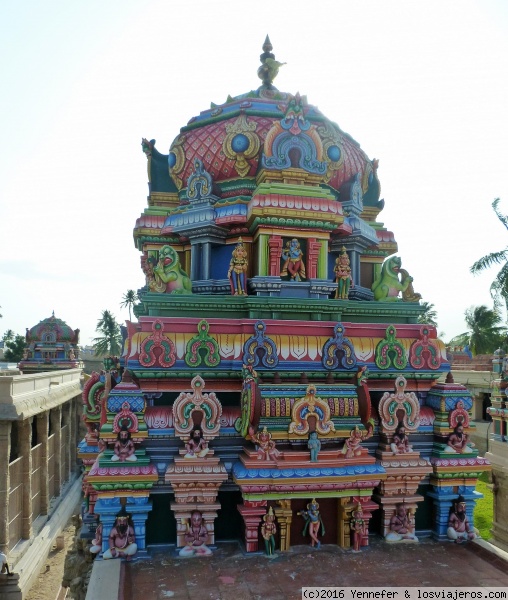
x=343, y=277
x=265, y=445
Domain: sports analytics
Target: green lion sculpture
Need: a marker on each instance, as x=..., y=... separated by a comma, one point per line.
x=169, y=275
x=387, y=286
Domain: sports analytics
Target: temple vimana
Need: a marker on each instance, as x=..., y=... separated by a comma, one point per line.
x=276, y=387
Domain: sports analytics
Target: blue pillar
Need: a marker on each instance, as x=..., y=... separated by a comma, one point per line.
x=137, y=508
x=443, y=498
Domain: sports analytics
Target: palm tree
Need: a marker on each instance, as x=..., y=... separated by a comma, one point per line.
x=8, y=335
x=485, y=334
x=429, y=314
x=110, y=342
x=499, y=287
x=129, y=300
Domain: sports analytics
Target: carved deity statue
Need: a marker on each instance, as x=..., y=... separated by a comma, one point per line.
x=352, y=446
x=268, y=531
x=400, y=440
x=196, y=537
x=312, y=522
x=401, y=527
x=343, y=277
x=197, y=446
x=294, y=265
x=122, y=539
x=458, y=441
x=459, y=529
x=358, y=527
x=96, y=546
x=266, y=446
x=314, y=445
x=237, y=272
x=124, y=447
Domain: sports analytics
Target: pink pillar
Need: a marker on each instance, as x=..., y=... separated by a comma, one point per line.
x=252, y=512
x=275, y=251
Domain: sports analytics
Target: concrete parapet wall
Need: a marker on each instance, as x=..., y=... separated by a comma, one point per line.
x=105, y=580
x=30, y=564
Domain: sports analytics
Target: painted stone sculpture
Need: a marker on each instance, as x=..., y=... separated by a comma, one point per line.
x=458, y=441
x=265, y=445
x=268, y=531
x=387, y=286
x=358, y=527
x=314, y=445
x=124, y=447
x=196, y=537
x=401, y=527
x=459, y=528
x=197, y=446
x=400, y=440
x=122, y=539
x=237, y=272
x=169, y=275
x=343, y=277
x=96, y=546
x=312, y=522
x=352, y=446
x=293, y=261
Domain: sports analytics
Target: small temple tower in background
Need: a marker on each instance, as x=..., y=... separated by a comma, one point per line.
x=51, y=346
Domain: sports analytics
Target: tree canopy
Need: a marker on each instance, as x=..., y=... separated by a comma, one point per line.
x=14, y=348
x=429, y=316
x=109, y=342
x=485, y=333
x=129, y=299
x=499, y=287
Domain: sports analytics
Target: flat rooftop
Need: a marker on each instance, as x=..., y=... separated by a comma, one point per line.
x=230, y=574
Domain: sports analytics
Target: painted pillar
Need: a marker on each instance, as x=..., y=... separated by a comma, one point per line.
x=195, y=261
x=5, y=451
x=252, y=512
x=354, y=257
x=284, y=516
x=323, y=260
x=274, y=247
x=56, y=428
x=25, y=434
x=42, y=437
x=205, y=261
x=73, y=441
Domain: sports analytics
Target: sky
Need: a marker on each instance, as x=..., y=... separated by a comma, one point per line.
x=422, y=86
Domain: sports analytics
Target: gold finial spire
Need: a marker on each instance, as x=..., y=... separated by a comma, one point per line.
x=269, y=68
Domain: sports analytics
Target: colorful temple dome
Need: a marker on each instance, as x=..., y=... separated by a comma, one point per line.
x=52, y=330
x=268, y=131
x=51, y=345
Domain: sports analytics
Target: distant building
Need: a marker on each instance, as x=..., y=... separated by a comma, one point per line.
x=51, y=345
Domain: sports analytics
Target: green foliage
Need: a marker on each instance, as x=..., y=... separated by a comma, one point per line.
x=8, y=335
x=429, y=316
x=499, y=287
x=485, y=334
x=484, y=509
x=129, y=299
x=14, y=348
x=110, y=340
